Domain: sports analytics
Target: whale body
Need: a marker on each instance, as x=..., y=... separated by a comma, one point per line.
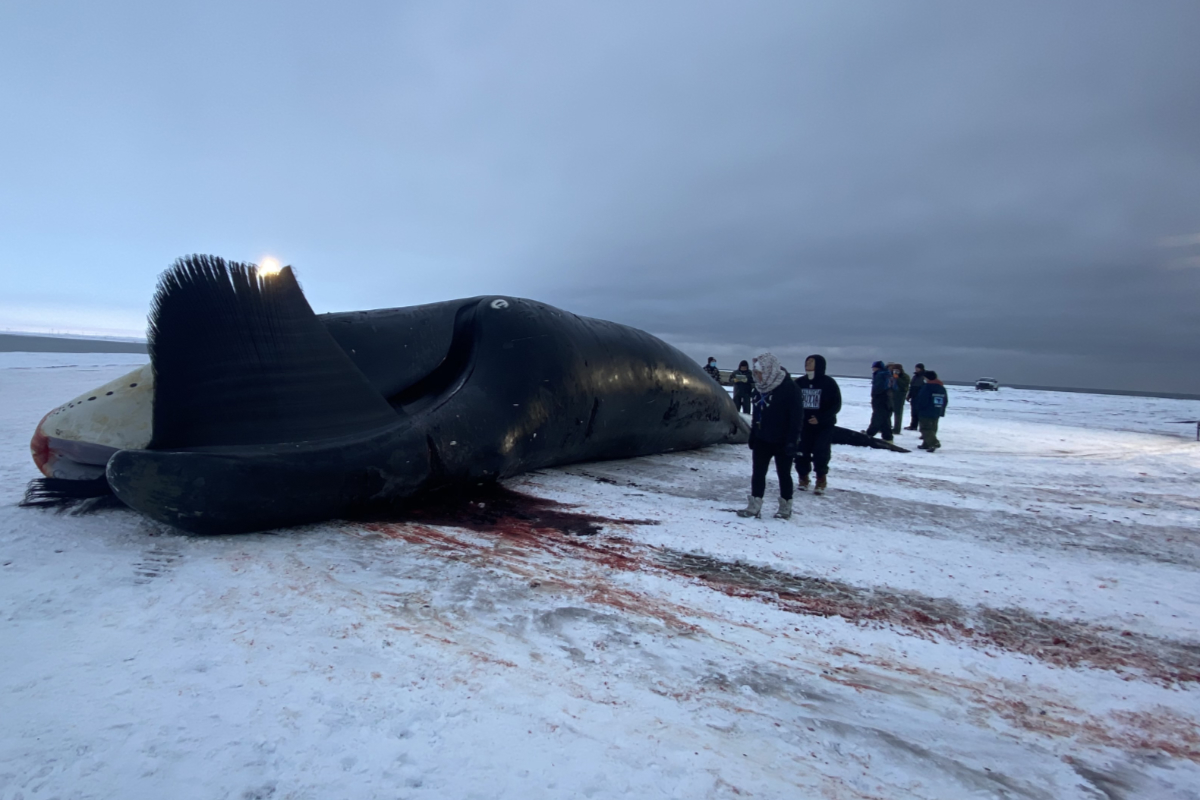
x=266, y=415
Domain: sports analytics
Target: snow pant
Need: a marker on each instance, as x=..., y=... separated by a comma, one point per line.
x=816, y=443
x=928, y=426
x=742, y=401
x=761, y=457
x=912, y=414
x=881, y=417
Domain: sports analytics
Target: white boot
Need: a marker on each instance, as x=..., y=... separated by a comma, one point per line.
x=785, y=509
x=753, y=507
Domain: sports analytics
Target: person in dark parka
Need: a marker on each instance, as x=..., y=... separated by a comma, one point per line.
x=899, y=396
x=712, y=370
x=743, y=384
x=774, y=433
x=881, y=402
x=914, y=389
x=821, y=400
x=931, y=406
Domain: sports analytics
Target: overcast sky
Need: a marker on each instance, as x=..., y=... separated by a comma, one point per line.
x=1002, y=188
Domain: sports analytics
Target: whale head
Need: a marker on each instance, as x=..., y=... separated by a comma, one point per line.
x=76, y=440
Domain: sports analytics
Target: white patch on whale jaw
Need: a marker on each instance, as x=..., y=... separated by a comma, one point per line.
x=76, y=439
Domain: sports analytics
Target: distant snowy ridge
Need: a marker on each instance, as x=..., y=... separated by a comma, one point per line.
x=16, y=342
x=1073, y=389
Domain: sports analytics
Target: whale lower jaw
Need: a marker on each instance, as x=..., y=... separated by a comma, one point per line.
x=248, y=489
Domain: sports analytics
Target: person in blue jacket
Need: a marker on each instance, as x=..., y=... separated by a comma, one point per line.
x=881, y=401
x=931, y=406
x=821, y=400
x=774, y=431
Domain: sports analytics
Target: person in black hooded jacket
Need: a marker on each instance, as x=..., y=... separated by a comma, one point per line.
x=821, y=398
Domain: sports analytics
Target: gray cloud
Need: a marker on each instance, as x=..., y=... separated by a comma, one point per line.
x=1003, y=188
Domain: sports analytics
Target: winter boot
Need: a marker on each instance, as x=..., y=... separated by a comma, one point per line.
x=820, y=488
x=753, y=508
x=785, y=509
x=803, y=483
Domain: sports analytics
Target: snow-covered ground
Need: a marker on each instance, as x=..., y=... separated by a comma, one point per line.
x=1014, y=616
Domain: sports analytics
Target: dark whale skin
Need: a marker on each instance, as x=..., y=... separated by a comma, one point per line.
x=525, y=385
x=481, y=389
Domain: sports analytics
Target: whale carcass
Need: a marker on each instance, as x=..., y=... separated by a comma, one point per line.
x=256, y=413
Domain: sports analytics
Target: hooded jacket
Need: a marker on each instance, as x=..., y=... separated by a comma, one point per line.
x=881, y=382
x=776, y=417
x=820, y=397
x=932, y=400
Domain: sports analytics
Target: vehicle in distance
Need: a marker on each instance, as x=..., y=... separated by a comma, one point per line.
x=987, y=383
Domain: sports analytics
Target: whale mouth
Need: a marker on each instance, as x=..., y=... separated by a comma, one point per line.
x=437, y=386
x=68, y=459
x=74, y=470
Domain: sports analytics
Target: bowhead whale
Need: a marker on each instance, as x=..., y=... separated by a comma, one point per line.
x=256, y=413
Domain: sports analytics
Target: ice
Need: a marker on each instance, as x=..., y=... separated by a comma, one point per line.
x=1014, y=616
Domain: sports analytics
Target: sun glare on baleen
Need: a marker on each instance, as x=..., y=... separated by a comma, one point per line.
x=269, y=266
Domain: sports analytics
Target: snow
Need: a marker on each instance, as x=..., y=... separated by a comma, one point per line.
x=78, y=361
x=1014, y=616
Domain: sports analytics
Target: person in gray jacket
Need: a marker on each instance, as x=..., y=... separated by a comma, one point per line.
x=914, y=390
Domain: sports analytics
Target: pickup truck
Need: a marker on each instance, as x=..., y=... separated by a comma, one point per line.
x=987, y=383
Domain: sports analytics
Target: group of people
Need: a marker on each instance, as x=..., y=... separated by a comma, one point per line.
x=891, y=388
x=793, y=420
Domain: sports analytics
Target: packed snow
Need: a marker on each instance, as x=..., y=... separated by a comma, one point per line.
x=1014, y=616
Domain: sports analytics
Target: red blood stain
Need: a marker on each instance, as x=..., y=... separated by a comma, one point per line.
x=492, y=508
x=1063, y=643
x=524, y=526
x=1160, y=731
x=39, y=448
x=528, y=524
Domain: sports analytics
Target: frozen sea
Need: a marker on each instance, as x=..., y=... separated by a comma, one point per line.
x=1014, y=616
